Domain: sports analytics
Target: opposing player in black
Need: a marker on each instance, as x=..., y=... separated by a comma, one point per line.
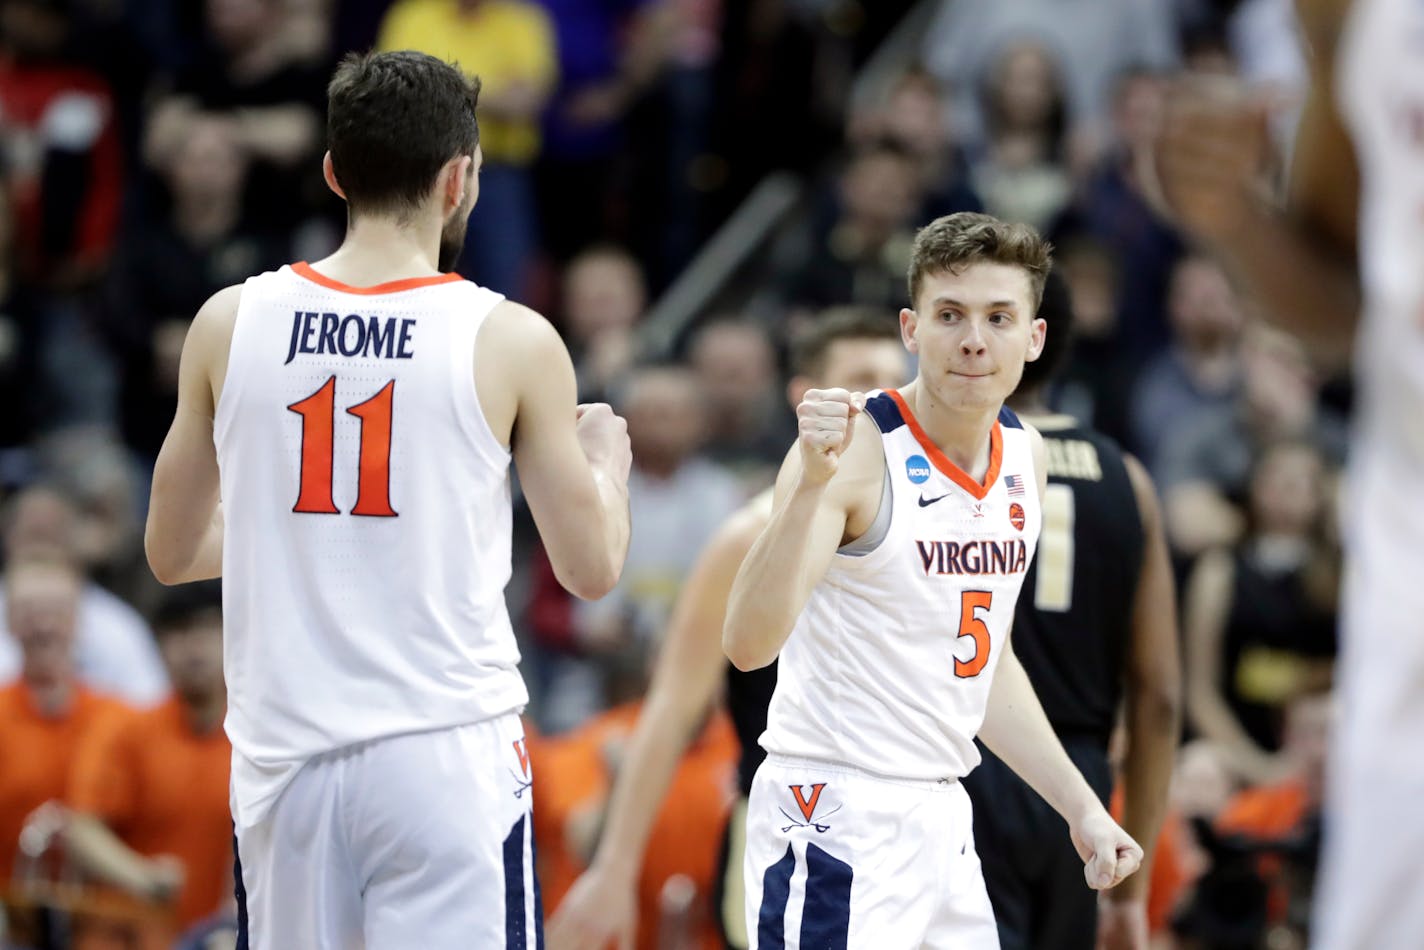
x=1096, y=625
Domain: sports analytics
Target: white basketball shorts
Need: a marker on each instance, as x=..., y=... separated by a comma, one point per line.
x=839, y=858
x=421, y=840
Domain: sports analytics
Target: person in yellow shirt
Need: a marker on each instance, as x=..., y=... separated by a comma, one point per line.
x=510, y=46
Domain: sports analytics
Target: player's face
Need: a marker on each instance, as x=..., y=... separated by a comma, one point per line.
x=973, y=332
x=863, y=365
x=452, y=235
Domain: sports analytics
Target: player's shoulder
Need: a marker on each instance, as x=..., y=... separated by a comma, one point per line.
x=519, y=330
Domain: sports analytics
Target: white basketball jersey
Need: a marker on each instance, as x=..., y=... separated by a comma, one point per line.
x=367, y=522
x=889, y=665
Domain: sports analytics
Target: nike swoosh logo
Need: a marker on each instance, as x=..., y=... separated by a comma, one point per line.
x=926, y=502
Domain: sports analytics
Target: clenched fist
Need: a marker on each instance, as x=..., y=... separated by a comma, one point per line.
x=825, y=424
x=603, y=435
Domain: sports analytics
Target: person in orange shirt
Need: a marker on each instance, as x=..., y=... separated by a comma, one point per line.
x=46, y=713
x=149, y=798
x=576, y=772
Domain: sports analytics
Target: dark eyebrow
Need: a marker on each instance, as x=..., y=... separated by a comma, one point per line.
x=995, y=305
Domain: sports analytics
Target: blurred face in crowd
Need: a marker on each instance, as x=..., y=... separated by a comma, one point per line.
x=42, y=609
x=973, y=331
x=1138, y=109
x=1280, y=386
x=603, y=292
x=209, y=165
x=1287, y=490
x=861, y=365
x=666, y=419
x=735, y=365
x=1024, y=86
x=192, y=653
x=1091, y=274
x=1202, y=304
x=238, y=24
x=915, y=116
x=41, y=521
x=881, y=192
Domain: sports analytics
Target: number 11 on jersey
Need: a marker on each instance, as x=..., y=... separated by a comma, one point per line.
x=373, y=477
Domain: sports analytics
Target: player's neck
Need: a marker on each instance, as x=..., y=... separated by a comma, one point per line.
x=379, y=249
x=962, y=435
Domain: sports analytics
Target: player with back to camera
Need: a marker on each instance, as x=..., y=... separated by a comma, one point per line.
x=851, y=348
x=886, y=581
x=357, y=418
x=1095, y=628
x=1353, y=220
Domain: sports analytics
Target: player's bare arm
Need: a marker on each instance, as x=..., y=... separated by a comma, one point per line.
x=1299, y=261
x=184, y=534
x=573, y=460
x=602, y=905
x=1153, y=711
x=1017, y=730
x=828, y=492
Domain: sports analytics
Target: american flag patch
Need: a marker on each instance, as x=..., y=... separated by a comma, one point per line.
x=1015, y=485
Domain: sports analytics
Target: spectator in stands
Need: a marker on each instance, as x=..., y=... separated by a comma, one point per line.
x=114, y=650
x=1020, y=171
x=253, y=77
x=747, y=422
x=1201, y=369
x=510, y=46
x=610, y=52
x=1110, y=207
x=166, y=270
x=47, y=713
x=576, y=774
x=915, y=116
x=1206, y=465
x=1259, y=620
x=149, y=798
x=604, y=296
x=1093, y=40
x=857, y=244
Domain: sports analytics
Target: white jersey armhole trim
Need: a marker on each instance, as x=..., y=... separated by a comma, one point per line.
x=236, y=358
x=467, y=399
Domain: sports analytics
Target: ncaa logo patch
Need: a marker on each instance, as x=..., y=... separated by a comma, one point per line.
x=1016, y=515
x=917, y=469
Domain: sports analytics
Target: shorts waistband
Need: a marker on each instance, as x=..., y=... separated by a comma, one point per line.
x=947, y=784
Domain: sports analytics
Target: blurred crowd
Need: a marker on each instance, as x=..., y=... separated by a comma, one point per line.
x=154, y=151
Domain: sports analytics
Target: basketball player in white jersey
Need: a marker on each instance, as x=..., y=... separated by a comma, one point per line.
x=852, y=348
x=886, y=581
x=1353, y=220
x=340, y=455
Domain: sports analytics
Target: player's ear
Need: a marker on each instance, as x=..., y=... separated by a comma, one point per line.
x=457, y=179
x=908, y=324
x=1038, y=333
x=328, y=171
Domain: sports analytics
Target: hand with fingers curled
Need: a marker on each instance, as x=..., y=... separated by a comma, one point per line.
x=1109, y=854
x=825, y=424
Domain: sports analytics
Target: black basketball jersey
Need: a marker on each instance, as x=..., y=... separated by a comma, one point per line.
x=1074, y=616
x=748, y=696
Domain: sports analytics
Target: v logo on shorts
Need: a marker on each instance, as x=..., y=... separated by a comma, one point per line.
x=807, y=808
x=521, y=749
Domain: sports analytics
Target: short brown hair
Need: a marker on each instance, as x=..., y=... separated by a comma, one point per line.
x=850, y=322
x=393, y=121
x=955, y=241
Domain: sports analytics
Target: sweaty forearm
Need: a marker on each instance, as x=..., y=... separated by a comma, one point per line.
x=1302, y=284
x=1017, y=730
x=773, y=582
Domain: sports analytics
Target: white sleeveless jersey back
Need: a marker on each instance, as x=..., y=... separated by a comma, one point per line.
x=889, y=665
x=367, y=522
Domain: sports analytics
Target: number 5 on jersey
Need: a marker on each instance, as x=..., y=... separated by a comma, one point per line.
x=373, y=479
x=972, y=625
